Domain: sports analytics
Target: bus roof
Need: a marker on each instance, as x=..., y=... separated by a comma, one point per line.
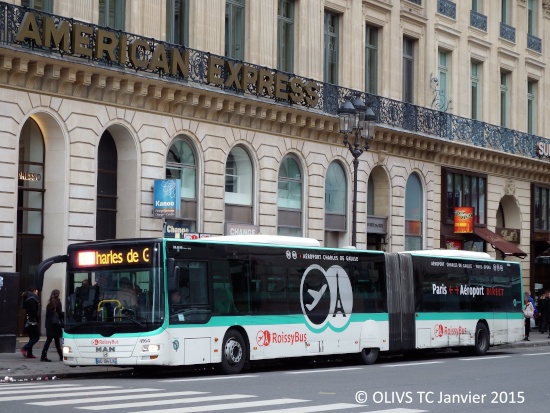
x=265, y=239
x=451, y=254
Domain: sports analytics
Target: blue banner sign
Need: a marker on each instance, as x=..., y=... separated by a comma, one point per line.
x=167, y=198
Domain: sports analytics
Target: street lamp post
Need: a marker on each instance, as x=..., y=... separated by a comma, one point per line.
x=359, y=119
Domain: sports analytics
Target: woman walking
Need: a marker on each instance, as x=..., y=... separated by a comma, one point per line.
x=32, y=326
x=54, y=325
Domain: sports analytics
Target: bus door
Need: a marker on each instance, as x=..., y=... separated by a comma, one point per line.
x=400, y=288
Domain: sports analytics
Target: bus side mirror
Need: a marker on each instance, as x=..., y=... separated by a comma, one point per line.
x=173, y=275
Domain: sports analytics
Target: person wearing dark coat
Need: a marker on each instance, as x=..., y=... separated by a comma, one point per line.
x=54, y=330
x=31, y=305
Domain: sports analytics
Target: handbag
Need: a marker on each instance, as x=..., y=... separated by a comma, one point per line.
x=29, y=325
x=56, y=321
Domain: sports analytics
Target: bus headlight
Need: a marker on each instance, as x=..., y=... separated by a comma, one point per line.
x=151, y=348
x=67, y=350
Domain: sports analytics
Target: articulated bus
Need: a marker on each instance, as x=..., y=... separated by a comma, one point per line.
x=229, y=301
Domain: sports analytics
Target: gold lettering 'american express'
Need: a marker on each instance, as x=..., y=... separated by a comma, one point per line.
x=77, y=39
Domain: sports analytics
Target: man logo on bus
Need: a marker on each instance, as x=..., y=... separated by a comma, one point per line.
x=326, y=298
x=263, y=338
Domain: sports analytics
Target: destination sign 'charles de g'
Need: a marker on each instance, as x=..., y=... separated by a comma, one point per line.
x=88, y=41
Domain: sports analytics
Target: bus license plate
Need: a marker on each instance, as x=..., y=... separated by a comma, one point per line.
x=106, y=361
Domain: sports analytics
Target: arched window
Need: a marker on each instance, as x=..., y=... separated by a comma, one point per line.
x=238, y=187
x=107, y=169
x=336, y=190
x=289, y=198
x=414, y=213
x=30, y=202
x=181, y=164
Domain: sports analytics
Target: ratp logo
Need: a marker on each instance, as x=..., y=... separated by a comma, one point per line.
x=326, y=298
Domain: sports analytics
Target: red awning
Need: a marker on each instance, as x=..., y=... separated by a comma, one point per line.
x=499, y=243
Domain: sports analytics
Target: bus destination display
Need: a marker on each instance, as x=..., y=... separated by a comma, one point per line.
x=113, y=257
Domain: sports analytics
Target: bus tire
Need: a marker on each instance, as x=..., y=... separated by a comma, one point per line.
x=367, y=356
x=481, y=345
x=233, y=352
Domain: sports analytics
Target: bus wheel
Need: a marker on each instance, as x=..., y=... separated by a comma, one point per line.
x=367, y=356
x=233, y=352
x=482, y=340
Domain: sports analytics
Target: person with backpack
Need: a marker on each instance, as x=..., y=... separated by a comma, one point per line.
x=31, y=305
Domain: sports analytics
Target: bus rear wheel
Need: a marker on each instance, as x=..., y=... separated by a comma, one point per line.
x=367, y=356
x=481, y=345
x=233, y=352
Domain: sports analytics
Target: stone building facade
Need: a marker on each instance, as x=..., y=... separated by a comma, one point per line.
x=458, y=96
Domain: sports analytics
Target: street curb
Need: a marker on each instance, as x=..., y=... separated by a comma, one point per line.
x=102, y=372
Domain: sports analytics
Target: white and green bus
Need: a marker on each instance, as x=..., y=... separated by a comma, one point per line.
x=229, y=301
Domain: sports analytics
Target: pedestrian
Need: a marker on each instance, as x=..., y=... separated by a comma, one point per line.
x=544, y=311
x=54, y=326
x=31, y=305
x=528, y=312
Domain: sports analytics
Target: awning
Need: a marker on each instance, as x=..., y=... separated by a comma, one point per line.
x=499, y=243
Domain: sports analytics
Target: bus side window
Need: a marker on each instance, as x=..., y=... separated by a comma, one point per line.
x=223, y=301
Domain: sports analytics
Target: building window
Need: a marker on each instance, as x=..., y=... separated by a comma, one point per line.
x=504, y=98
x=476, y=6
x=505, y=11
x=289, y=198
x=532, y=17
x=475, y=90
x=30, y=203
x=285, y=36
x=541, y=213
x=238, y=187
x=43, y=5
x=181, y=164
x=234, y=29
x=370, y=196
x=177, y=22
x=331, y=48
x=112, y=13
x=443, y=70
x=336, y=194
x=371, y=60
x=408, y=70
x=465, y=190
x=107, y=164
x=414, y=215
x=531, y=106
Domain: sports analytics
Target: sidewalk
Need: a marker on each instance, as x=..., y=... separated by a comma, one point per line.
x=14, y=367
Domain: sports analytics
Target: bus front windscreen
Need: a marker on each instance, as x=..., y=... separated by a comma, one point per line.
x=113, y=290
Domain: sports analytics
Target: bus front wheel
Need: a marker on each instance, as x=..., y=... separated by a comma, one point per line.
x=367, y=356
x=233, y=352
x=481, y=340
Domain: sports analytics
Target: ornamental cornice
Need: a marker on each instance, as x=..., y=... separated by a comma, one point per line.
x=41, y=74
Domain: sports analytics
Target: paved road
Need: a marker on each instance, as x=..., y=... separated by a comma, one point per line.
x=14, y=367
x=446, y=383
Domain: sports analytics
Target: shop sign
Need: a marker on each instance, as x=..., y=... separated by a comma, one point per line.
x=376, y=225
x=87, y=41
x=241, y=229
x=167, y=198
x=509, y=234
x=464, y=220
